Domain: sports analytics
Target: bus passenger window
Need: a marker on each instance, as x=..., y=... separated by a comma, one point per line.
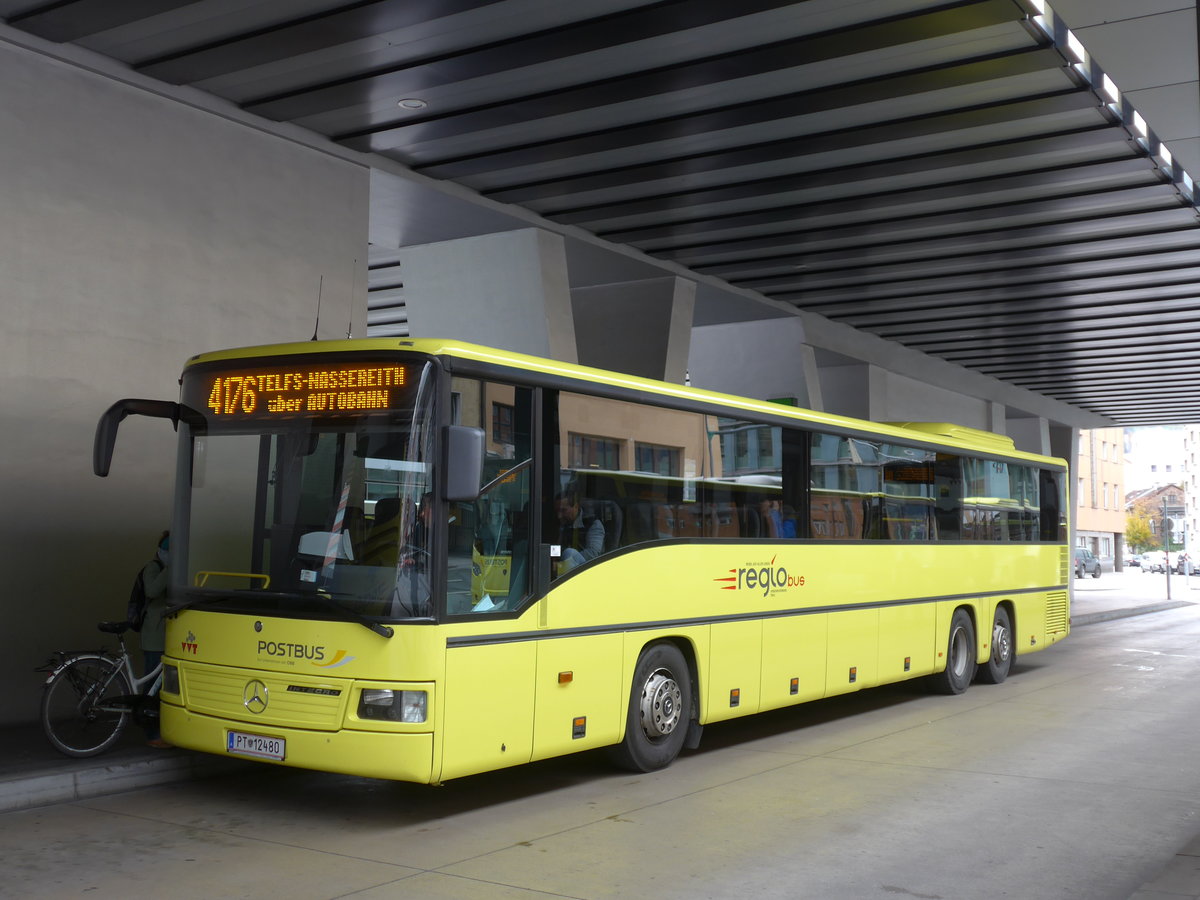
x=489, y=550
x=873, y=490
x=619, y=473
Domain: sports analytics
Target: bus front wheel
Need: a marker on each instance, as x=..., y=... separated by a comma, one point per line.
x=960, y=656
x=660, y=703
x=995, y=670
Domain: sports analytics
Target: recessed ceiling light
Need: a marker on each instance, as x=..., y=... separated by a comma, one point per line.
x=412, y=103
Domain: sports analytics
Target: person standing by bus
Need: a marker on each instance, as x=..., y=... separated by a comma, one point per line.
x=156, y=577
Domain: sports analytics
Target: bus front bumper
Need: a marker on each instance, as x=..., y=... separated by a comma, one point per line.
x=373, y=754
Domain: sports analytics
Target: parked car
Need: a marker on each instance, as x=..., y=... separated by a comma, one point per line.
x=1086, y=563
x=1183, y=564
x=1135, y=561
x=1154, y=561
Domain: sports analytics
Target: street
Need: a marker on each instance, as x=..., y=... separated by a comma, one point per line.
x=1077, y=778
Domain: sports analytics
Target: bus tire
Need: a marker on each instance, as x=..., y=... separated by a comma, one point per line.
x=995, y=670
x=960, y=656
x=660, y=703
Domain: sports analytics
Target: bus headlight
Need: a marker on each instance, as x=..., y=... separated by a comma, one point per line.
x=398, y=706
x=170, y=679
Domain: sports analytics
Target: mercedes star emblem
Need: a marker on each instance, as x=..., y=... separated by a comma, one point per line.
x=254, y=697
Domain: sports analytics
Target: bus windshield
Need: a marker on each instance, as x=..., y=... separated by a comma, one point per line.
x=308, y=489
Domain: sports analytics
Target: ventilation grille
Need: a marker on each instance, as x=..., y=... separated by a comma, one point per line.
x=1056, y=613
x=387, y=310
x=1064, y=565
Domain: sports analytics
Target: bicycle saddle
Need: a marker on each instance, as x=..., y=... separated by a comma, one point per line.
x=114, y=627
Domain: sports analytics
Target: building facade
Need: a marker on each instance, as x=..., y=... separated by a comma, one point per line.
x=1191, y=484
x=1154, y=456
x=1153, y=505
x=1100, y=493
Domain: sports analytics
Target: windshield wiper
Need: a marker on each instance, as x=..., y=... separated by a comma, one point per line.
x=203, y=598
x=377, y=627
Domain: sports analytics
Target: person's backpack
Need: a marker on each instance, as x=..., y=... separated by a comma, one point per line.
x=135, y=612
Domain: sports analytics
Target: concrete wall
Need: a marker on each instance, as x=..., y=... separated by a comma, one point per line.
x=134, y=232
x=896, y=398
x=640, y=327
x=772, y=358
x=765, y=359
x=507, y=290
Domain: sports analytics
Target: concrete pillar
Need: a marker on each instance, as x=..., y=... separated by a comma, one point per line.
x=506, y=290
x=638, y=327
x=767, y=359
x=1031, y=434
x=847, y=390
x=997, y=417
x=1064, y=443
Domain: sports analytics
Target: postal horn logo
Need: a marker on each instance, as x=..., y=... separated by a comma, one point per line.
x=762, y=578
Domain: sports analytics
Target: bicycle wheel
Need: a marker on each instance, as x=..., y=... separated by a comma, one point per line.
x=82, y=713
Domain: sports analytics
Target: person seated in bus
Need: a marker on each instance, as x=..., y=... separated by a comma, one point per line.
x=416, y=546
x=411, y=593
x=383, y=540
x=777, y=525
x=581, y=538
x=354, y=525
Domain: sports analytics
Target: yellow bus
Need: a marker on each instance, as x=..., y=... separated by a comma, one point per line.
x=424, y=559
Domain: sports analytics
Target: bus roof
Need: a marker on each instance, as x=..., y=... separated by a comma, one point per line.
x=938, y=433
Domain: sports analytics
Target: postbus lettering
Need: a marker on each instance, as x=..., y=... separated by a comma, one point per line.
x=291, y=651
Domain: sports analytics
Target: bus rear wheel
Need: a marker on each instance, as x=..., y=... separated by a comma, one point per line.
x=660, y=703
x=960, y=656
x=995, y=670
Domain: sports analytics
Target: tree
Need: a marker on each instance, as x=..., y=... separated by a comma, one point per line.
x=1138, y=534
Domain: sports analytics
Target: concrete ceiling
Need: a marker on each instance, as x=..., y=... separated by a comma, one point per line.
x=963, y=178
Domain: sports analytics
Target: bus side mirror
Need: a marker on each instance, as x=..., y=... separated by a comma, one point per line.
x=464, y=462
x=106, y=428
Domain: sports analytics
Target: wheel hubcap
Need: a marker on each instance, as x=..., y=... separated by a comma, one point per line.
x=1001, y=642
x=660, y=707
x=958, y=651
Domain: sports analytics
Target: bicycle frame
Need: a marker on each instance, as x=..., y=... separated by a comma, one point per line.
x=124, y=664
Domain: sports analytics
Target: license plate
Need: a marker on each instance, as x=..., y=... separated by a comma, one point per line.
x=255, y=745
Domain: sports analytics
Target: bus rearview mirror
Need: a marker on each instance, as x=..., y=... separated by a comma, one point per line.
x=106, y=428
x=464, y=462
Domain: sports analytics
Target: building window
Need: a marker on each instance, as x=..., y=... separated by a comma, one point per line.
x=502, y=423
x=589, y=452
x=748, y=448
x=656, y=459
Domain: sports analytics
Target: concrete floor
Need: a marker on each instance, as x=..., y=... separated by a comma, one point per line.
x=1078, y=778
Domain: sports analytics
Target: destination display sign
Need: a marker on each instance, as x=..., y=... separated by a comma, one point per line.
x=296, y=390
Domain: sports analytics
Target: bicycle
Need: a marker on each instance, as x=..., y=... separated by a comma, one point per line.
x=90, y=696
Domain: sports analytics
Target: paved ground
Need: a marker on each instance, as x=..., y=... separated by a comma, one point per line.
x=1077, y=778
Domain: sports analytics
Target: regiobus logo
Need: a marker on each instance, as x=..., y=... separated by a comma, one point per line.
x=767, y=577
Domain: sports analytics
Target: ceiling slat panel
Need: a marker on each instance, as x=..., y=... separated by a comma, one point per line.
x=936, y=172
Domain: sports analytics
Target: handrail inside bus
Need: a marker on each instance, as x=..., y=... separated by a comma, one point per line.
x=505, y=475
